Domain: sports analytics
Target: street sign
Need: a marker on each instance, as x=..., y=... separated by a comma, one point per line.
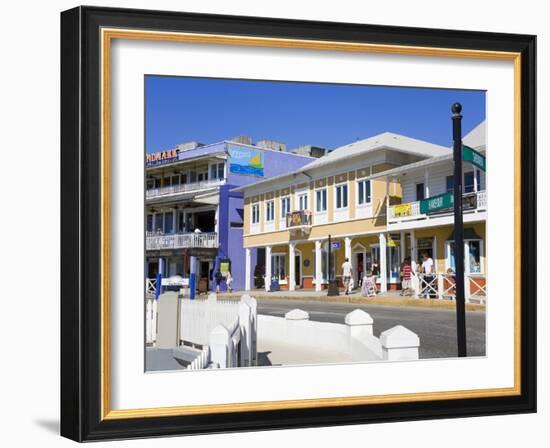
x=336, y=245
x=444, y=203
x=436, y=203
x=474, y=157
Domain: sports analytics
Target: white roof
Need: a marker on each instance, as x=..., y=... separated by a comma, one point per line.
x=477, y=137
x=386, y=140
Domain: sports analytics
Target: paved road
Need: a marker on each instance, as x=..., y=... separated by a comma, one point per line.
x=435, y=327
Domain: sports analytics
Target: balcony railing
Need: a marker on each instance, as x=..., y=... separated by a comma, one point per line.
x=411, y=210
x=182, y=241
x=299, y=218
x=183, y=188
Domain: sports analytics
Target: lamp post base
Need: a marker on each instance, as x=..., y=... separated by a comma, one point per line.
x=333, y=288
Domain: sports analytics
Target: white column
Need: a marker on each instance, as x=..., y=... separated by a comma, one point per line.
x=247, y=269
x=268, y=268
x=426, y=183
x=291, y=267
x=414, y=249
x=318, y=270
x=347, y=248
x=434, y=253
x=402, y=244
x=476, y=186
x=383, y=263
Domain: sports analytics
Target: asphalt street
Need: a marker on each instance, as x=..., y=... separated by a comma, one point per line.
x=435, y=327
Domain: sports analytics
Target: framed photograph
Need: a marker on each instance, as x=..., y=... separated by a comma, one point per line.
x=275, y=223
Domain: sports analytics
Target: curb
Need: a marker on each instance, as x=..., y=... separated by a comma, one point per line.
x=388, y=301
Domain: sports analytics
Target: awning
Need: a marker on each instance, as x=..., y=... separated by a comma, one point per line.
x=469, y=234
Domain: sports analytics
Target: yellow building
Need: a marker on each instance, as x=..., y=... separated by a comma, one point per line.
x=345, y=194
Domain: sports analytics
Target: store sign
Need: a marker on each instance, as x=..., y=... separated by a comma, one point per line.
x=224, y=267
x=400, y=210
x=247, y=161
x=162, y=157
x=445, y=202
x=175, y=281
x=474, y=157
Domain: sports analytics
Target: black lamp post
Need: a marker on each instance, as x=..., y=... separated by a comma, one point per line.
x=459, y=231
x=332, y=286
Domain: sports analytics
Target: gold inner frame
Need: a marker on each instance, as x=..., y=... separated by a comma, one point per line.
x=107, y=35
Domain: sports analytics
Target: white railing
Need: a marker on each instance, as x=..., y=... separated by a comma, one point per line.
x=150, y=286
x=150, y=320
x=199, y=317
x=226, y=330
x=182, y=240
x=352, y=341
x=182, y=188
x=411, y=210
x=443, y=286
x=202, y=361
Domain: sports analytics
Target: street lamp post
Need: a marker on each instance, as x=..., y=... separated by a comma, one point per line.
x=459, y=231
x=332, y=287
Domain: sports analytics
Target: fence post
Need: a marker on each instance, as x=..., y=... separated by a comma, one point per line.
x=416, y=285
x=359, y=323
x=440, y=285
x=253, y=304
x=292, y=318
x=154, y=321
x=220, y=347
x=148, y=321
x=246, y=336
x=168, y=310
x=399, y=344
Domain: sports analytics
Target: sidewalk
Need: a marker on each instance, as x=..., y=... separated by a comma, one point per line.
x=390, y=298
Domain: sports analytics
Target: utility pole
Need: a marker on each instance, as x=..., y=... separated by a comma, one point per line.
x=459, y=231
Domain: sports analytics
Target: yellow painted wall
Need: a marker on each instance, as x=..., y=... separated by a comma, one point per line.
x=442, y=234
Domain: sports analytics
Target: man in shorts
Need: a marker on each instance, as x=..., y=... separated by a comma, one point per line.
x=346, y=274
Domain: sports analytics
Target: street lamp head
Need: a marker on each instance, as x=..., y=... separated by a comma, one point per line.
x=456, y=108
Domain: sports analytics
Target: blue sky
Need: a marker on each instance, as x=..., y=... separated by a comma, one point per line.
x=182, y=109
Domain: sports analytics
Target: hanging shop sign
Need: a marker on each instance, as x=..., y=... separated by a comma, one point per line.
x=444, y=203
x=474, y=157
x=400, y=210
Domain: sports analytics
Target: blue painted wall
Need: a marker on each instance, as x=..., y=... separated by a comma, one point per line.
x=232, y=210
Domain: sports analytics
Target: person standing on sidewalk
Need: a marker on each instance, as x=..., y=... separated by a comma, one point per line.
x=346, y=274
x=406, y=273
x=428, y=270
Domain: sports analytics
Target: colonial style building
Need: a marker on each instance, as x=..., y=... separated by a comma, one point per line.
x=351, y=194
x=191, y=210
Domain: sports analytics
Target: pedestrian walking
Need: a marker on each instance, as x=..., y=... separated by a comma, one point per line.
x=346, y=274
x=218, y=278
x=229, y=281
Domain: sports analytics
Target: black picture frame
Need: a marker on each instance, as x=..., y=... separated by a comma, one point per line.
x=81, y=224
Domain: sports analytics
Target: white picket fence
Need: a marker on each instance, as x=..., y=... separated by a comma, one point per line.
x=202, y=361
x=150, y=320
x=225, y=329
x=442, y=286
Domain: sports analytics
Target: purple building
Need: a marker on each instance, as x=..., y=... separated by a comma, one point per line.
x=190, y=209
